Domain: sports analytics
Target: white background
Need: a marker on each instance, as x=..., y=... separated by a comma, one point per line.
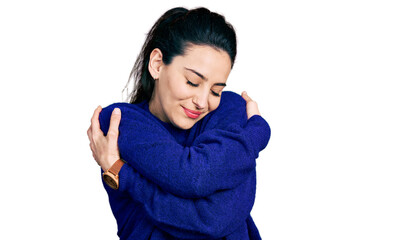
x=329, y=77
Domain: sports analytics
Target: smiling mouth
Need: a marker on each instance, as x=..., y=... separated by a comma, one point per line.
x=191, y=113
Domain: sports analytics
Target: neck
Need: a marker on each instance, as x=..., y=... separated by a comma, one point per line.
x=156, y=109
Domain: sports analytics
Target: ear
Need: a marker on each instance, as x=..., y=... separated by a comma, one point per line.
x=155, y=63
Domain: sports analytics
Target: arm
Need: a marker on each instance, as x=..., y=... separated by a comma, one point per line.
x=212, y=217
x=221, y=157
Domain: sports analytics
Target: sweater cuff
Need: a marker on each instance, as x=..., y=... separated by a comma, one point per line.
x=124, y=177
x=258, y=131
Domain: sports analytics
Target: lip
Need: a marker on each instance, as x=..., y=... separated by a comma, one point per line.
x=191, y=113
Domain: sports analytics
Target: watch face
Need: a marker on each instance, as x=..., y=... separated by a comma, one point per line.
x=109, y=180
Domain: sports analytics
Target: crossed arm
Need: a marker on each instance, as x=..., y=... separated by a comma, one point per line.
x=105, y=148
x=221, y=157
x=216, y=214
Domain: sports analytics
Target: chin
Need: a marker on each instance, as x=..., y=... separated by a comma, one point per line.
x=184, y=122
x=185, y=125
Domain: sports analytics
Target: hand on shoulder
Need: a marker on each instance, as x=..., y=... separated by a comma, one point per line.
x=252, y=106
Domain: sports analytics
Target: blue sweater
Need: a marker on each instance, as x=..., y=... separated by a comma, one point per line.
x=187, y=184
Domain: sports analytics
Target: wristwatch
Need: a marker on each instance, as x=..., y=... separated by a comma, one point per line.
x=110, y=176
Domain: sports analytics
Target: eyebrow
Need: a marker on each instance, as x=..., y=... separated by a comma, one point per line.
x=203, y=77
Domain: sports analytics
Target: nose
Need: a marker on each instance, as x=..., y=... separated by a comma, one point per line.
x=200, y=100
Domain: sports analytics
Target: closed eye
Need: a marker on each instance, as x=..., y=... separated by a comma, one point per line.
x=192, y=84
x=196, y=85
x=215, y=94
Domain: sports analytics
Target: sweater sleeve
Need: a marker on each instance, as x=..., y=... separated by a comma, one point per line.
x=213, y=217
x=221, y=157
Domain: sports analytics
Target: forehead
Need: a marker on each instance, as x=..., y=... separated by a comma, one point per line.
x=213, y=63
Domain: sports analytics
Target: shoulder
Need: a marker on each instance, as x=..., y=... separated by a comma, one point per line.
x=231, y=99
x=128, y=111
x=123, y=106
x=231, y=110
x=231, y=102
x=126, y=108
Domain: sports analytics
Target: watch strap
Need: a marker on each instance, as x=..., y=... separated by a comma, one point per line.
x=115, y=169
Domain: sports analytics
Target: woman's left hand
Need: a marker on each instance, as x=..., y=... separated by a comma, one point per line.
x=252, y=106
x=104, y=148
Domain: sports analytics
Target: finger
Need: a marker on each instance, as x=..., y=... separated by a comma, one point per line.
x=245, y=96
x=93, y=151
x=114, y=123
x=89, y=133
x=94, y=157
x=95, y=120
x=253, y=106
x=94, y=154
x=92, y=147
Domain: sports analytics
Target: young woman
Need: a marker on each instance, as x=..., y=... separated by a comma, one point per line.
x=178, y=160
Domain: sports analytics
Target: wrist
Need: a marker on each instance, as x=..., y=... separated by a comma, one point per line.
x=108, y=163
x=110, y=176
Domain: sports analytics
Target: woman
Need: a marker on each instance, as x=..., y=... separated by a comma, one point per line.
x=181, y=155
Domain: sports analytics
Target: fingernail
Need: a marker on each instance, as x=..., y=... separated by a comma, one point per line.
x=116, y=111
x=244, y=92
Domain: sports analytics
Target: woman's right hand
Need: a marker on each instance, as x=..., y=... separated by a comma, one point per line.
x=252, y=106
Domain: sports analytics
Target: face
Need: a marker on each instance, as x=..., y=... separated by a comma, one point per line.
x=190, y=87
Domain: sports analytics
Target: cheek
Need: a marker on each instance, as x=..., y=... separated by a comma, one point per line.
x=214, y=102
x=175, y=88
x=178, y=89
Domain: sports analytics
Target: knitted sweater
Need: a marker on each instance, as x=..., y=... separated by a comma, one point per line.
x=187, y=184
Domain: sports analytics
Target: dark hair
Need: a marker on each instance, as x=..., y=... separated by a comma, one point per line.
x=174, y=31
